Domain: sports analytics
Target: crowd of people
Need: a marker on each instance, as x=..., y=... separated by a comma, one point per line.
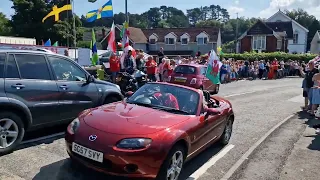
x=311, y=90
x=231, y=69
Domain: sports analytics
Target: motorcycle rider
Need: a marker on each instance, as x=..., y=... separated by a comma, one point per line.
x=129, y=63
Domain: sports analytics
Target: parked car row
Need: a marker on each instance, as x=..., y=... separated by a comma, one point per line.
x=40, y=89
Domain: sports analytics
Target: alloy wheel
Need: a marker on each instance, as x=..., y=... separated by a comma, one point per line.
x=175, y=166
x=9, y=132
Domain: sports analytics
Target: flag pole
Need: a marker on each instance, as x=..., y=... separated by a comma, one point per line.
x=74, y=30
x=126, y=10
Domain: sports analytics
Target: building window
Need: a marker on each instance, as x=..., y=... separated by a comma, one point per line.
x=295, y=38
x=279, y=44
x=170, y=41
x=184, y=41
x=152, y=41
x=202, y=40
x=259, y=42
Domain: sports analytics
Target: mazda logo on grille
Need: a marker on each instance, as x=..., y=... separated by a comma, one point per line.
x=92, y=137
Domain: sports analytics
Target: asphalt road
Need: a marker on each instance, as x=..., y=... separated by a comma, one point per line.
x=258, y=105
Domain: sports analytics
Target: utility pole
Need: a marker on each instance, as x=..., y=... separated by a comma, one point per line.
x=236, y=38
x=74, y=31
x=126, y=10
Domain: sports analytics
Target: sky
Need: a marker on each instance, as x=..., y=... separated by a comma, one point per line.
x=245, y=8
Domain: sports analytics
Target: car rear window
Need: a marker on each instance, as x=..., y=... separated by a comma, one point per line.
x=185, y=70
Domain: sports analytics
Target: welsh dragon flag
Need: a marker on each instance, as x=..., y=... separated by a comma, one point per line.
x=213, y=69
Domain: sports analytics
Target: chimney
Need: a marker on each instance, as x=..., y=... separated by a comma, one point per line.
x=103, y=32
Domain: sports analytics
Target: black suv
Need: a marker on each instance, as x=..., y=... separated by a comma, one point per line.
x=40, y=89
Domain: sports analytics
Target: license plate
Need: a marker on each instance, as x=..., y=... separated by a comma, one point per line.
x=88, y=153
x=180, y=80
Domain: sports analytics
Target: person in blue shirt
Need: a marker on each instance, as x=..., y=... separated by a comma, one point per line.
x=261, y=69
x=223, y=72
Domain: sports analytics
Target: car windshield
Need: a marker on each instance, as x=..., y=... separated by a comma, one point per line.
x=183, y=69
x=166, y=97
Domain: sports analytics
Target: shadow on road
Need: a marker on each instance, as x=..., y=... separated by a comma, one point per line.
x=42, y=133
x=311, y=121
x=65, y=169
x=195, y=163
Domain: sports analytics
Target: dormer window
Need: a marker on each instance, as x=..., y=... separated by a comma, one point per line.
x=153, y=39
x=185, y=38
x=170, y=41
x=202, y=38
x=184, y=41
x=170, y=38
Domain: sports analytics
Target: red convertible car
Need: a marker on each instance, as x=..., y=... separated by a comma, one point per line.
x=152, y=133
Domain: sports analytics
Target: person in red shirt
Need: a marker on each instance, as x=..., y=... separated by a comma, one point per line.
x=172, y=65
x=167, y=100
x=151, y=68
x=275, y=66
x=114, y=67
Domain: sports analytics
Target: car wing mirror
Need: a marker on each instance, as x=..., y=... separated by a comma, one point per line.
x=90, y=78
x=128, y=94
x=212, y=111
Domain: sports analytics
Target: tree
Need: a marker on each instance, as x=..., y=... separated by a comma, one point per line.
x=153, y=17
x=27, y=21
x=313, y=28
x=176, y=18
x=301, y=16
x=209, y=23
x=5, y=27
x=194, y=15
x=305, y=19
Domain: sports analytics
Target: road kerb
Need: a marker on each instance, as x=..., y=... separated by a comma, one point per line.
x=245, y=156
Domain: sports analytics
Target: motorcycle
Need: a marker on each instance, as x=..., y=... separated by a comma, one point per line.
x=140, y=77
x=126, y=82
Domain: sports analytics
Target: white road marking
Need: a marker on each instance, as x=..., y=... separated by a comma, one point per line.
x=239, y=94
x=203, y=169
x=42, y=138
x=245, y=156
x=297, y=99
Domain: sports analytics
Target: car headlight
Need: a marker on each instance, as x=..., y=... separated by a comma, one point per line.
x=134, y=143
x=74, y=126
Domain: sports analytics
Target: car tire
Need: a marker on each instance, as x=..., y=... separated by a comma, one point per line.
x=110, y=99
x=17, y=132
x=226, y=135
x=180, y=155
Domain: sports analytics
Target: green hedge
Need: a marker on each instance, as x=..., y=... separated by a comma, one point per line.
x=279, y=55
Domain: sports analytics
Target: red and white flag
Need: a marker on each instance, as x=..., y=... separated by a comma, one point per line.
x=112, y=39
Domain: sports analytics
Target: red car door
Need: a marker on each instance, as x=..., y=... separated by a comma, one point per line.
x=215, y=123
